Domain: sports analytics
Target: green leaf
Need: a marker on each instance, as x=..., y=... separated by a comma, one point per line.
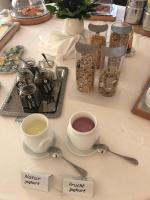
x=73, y=8
x=51, y=8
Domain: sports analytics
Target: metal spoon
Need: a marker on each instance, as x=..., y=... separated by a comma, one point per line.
x=56, y=152
x=101, y=148
x=44, y=56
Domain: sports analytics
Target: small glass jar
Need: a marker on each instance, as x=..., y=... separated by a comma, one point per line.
x=109, y=76
x=30, y=64
x=50, y=65
x=44, y=81
x=98, y=37
x=30, y=98
x=120, y=34
x=24, y=76
x=85, y=66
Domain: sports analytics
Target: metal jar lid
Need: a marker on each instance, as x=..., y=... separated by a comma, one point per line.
x=98, y=28
x=86, y=48
x=114, y=52
x=121, y=28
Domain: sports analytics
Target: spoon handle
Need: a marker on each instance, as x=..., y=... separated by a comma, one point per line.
x=80, y=170
x=44, y=56
x=132, y=160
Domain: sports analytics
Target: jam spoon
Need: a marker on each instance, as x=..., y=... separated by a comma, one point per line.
x=56, y=152
x=102, y=148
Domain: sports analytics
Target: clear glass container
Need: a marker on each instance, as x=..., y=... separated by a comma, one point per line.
x=109, y=76
x=44, y=81
x=30, y=98
x=30, y=64
x=5, y=16
x=50, y=64
x=28, y=8
x=24, y=76
x=120, y=34
x=99, y=37
x=85, y=66
x=105, y=7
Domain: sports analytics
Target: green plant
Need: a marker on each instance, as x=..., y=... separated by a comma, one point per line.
x=73, y=8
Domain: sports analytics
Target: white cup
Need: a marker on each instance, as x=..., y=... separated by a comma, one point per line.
x=37, y=135
x=82, y=140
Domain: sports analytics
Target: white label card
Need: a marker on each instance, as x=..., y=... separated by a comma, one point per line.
x=78, y=186
x=36, y=180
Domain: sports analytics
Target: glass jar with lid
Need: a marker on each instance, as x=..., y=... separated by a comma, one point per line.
x=120, y=34
x=24, y=76
x=85, y=66
x=28, y=8
x=30, y=98
x=99, y=37
x=109, y=76
x=44, y=81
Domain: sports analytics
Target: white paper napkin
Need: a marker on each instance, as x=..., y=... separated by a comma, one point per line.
x=60, y=45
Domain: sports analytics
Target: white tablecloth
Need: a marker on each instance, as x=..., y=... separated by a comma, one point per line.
x=115, y=179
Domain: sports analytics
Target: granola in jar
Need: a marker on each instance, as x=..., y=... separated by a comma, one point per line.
x=98, y=38
x=85, y=66
x=109, y=77
x=120, y=34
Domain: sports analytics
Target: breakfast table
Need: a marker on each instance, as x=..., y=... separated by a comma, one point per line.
x=124, y=132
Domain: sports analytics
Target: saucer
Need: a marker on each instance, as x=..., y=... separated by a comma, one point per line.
x=37, y=155
x=77, y=151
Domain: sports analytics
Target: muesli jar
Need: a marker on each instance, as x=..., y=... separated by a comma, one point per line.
x=120, y=34
x=85, y=66
x=109, y=77
x=98, y=37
